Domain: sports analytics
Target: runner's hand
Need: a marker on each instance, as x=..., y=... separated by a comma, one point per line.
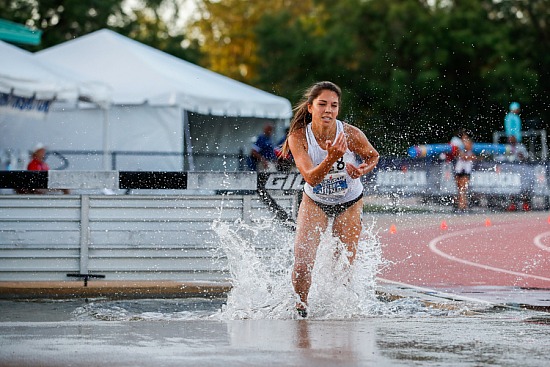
x=337, y=149
x=356, y=171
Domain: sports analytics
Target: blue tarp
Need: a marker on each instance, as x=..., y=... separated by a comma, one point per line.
x=18, y=33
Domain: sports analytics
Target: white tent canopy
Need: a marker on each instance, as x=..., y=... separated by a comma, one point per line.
x=161, y=108
x=141, y=74
x=23, y=75
x=157, y=101
x=29, y=87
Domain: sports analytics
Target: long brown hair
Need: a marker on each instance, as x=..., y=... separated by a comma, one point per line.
x=301, y=114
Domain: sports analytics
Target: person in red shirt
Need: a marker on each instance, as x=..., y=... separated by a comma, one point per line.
x=37, y=163
x=38, y=155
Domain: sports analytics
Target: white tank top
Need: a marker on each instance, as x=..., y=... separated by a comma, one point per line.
x=337, y=187
x=463, y=166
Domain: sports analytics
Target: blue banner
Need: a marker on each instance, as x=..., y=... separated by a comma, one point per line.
x=13, y=103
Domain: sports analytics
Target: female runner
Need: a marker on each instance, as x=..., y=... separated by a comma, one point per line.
x=325, y=150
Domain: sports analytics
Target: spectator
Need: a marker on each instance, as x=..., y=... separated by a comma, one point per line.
x=38, y=163
x=262, y=155
x=512, y=122
x=38, y=156
x=516, y=152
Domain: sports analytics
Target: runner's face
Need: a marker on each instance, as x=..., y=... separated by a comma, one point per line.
x=324, y=108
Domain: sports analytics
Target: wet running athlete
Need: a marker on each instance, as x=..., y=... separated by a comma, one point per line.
x=325, y=151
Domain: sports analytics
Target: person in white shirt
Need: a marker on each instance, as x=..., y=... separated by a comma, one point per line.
x=463, y=169
x=324, y=151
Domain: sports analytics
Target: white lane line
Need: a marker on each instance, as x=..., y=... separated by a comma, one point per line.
x=433, y=247
x=435, y=293
x=537, y=241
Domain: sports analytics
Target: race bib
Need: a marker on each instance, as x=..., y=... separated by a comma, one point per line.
x=334, y=185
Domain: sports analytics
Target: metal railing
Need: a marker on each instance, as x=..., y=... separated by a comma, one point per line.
x=534, y=140
x=128, y=160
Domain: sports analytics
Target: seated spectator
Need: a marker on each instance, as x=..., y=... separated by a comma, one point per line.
x=38, y=156
x=518, y=152
x=38, y=163
x=262, y=155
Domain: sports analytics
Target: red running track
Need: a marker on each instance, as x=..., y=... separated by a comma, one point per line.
x=450, y=251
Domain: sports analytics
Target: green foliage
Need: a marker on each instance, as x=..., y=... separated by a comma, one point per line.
x=17, y=11
x=62, y=20
x=412, y=71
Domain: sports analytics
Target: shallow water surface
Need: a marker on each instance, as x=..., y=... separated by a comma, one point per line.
x=191, y=332
x=349, y=323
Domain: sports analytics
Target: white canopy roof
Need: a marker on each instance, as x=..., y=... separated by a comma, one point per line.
x=141, y=74
x=22, y=73
x=26, y=76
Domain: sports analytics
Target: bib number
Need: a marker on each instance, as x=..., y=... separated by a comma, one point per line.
x=333, y=184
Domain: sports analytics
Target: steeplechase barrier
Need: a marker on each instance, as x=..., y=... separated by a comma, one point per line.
x=168, y=235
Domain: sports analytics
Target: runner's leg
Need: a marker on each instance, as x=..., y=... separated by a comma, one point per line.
x=347, y=227
x=312, y=221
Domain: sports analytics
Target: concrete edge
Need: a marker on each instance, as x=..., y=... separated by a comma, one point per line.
x=111, y=289
x=386, y=290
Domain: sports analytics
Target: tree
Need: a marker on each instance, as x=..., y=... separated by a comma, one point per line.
x=225, y=31
x=417, y=70
x=412, y=71
x=61, y=21
x=527, y=25
x=148, y=26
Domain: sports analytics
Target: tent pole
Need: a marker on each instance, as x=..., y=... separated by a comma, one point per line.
x=106, y=140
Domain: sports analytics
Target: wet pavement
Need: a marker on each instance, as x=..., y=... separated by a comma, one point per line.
x=191, y=332
x=433, y=323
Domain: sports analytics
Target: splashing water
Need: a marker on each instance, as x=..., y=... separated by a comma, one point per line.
x=260, y=259
x=261, y=276
x=341, y=290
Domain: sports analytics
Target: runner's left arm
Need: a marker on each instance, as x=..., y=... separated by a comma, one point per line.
x=359, y=144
